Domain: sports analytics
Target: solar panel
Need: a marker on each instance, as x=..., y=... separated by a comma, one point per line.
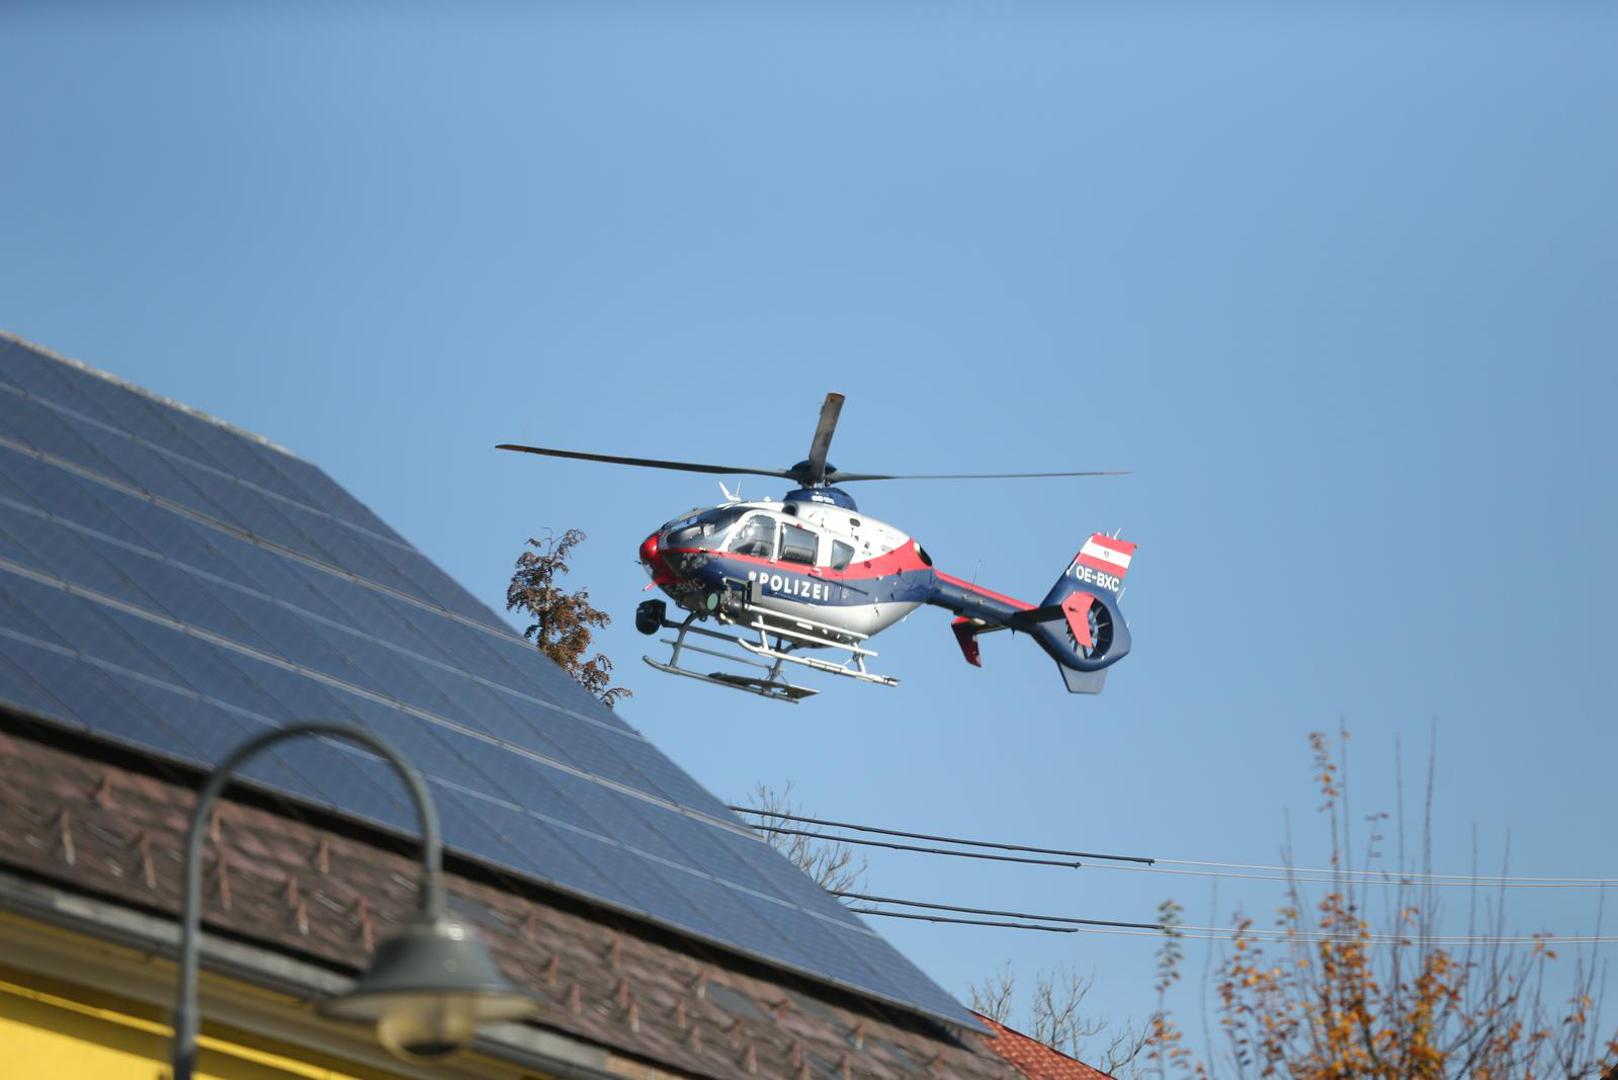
x=178, y=585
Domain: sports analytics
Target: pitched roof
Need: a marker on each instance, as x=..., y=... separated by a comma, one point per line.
x=99, y=820
x=1034, y=1059
x=175, y=585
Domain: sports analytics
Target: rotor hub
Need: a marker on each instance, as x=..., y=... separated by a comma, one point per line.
x=823, y=496
x=804, y=473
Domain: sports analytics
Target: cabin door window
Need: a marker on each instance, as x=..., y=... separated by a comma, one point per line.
x=799, y=545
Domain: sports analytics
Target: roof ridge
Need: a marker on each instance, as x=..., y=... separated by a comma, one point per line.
x=116, y=380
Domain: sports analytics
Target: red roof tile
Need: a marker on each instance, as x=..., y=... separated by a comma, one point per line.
x=1034, y=1059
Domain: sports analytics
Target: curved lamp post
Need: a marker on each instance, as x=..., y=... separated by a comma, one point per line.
x=429, y=986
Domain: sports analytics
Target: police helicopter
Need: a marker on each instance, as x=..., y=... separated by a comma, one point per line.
x=790, y=581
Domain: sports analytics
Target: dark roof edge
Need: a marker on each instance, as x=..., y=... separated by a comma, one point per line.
x=189, y=410
x=92, y=745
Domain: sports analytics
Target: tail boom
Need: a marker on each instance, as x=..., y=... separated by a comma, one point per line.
x=1080, y=624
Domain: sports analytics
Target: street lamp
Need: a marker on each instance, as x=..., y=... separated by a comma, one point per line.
x=429, y=986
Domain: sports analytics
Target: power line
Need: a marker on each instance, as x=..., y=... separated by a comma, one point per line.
x=1191, y=933
x=930, y=836
x=1413, y=939
x=966, y=922
x=993, y=911
x=1072, y=925
x=912, y=847
x=1466, y=878
x=1178, y=867
x=1321, y=876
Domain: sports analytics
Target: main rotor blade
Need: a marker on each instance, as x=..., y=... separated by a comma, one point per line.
x=822, y=440
x=845, y=478
x=647, y=463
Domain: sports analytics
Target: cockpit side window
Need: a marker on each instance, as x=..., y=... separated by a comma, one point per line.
x=841, y=555
x=755, y=537
x=704, y=530
x=798, y=545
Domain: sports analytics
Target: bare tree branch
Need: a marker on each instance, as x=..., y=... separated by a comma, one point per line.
x=834, y=866
x=1056, y=1017
x=992, y=997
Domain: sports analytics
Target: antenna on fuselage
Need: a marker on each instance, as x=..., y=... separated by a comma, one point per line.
x=731, y=496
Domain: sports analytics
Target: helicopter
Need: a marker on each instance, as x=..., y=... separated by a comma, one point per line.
x=810, y=574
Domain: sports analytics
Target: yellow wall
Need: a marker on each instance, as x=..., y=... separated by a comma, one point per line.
x=68, y=1033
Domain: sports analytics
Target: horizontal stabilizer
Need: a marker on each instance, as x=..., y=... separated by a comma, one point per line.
x=1074, y=610
x=1027, y=620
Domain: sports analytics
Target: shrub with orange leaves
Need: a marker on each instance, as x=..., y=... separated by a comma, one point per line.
x=563, y=623
x=1328, y=995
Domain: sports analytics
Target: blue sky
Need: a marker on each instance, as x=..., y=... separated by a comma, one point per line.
x=1337, y=282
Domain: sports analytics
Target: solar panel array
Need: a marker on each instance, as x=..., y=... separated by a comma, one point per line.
x=178, y=585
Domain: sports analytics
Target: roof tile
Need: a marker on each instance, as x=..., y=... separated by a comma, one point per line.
x=1034, y=1059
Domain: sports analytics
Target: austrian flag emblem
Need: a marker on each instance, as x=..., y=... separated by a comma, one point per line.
x=1106, y=555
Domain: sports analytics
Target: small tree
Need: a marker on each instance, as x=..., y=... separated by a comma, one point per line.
x=1062, y=1023
x=995, y=995
x=563, y=622
x=1057, y=1018
x=1336, y=997
x=834, y=866
x=1165, y=1044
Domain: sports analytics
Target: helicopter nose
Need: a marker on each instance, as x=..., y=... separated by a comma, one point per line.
x=649, y=557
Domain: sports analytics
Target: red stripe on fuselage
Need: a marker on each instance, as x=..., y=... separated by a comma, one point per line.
x=969, y=587
x=900, y=559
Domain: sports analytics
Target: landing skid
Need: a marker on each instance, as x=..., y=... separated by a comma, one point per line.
x=772, y=684
x=778, y=691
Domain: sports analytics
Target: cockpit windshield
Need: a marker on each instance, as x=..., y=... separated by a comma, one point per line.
x=704, y=530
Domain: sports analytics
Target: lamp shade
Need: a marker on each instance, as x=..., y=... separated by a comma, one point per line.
x=429, y=987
